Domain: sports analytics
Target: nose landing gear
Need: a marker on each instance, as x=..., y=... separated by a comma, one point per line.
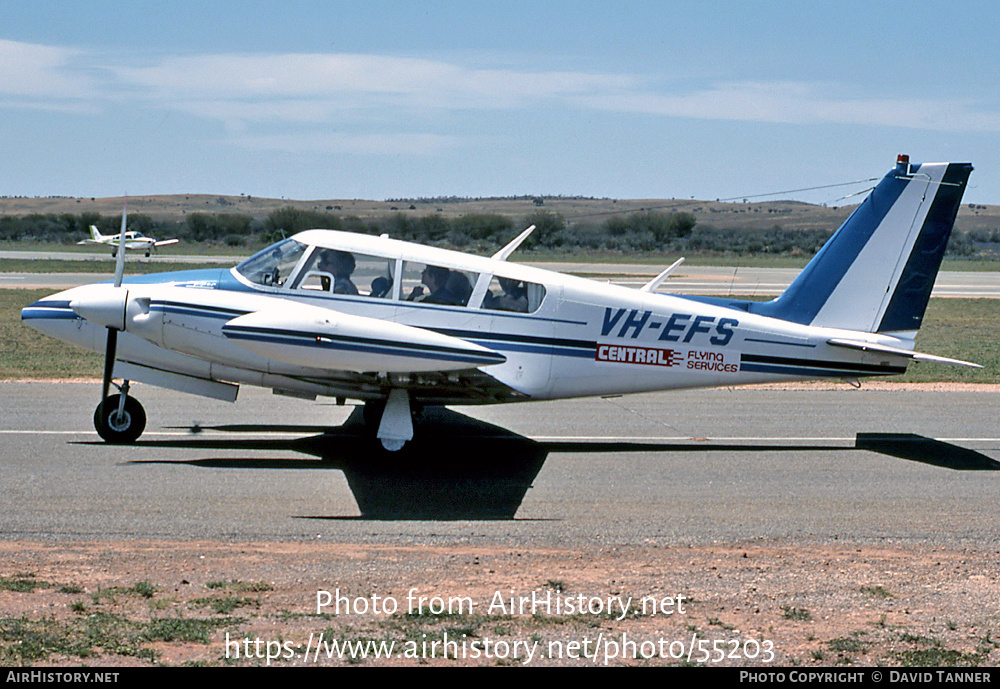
x=120, y=419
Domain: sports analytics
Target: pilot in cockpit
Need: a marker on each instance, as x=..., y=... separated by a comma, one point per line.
x=340, y=264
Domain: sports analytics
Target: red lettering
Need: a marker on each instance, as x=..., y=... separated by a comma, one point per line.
x=638, y=355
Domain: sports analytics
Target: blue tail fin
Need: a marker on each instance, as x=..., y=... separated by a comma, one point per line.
x=875, y=274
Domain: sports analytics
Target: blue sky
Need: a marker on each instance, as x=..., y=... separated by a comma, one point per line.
x=402, y=99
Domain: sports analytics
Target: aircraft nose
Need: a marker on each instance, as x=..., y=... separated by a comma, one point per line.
x=50, y=315
x=54, y=307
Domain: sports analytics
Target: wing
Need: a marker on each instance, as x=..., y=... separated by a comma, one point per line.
x=470, y=386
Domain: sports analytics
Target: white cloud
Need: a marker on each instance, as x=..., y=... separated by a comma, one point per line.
x=361, y=81
x=257, y=91
x=30, y=71
x=802, y=104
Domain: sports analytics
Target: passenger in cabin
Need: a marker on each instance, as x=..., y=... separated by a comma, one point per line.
x=340, y=264
x=457, y=289
x=436, y=280
x=381, y=287
x=514, y=297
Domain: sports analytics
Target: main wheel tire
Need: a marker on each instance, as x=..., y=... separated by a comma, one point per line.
x=115, y=430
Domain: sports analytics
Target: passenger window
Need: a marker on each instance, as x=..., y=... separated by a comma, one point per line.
x=431, y=284
x=508, y=294
x=344, y=272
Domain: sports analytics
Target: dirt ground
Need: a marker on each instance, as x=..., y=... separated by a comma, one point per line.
x=757, y=604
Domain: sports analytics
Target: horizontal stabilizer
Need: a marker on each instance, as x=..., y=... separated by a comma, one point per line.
x=898, y=351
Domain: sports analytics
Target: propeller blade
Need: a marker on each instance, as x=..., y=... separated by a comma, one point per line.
x=120, y=265
x=109, y=361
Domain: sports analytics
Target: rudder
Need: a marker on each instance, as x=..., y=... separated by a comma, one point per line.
x=906, y=307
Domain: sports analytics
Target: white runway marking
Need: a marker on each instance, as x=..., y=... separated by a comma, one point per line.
x=542, y=438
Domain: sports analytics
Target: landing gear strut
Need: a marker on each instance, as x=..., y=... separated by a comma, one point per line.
x=120, y=419
x=393, y=418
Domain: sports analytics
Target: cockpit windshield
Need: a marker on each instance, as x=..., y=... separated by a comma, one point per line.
x=273, y=265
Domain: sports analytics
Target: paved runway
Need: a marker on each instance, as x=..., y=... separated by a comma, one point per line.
x=684, y=467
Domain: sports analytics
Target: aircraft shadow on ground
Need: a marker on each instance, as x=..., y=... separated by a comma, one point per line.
x=918, y=448
x=457, y=467
x=915, y=448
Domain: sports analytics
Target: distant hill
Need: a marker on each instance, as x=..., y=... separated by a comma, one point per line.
x=724, y=215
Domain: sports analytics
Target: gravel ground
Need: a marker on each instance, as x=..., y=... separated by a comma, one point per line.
x=108, y=603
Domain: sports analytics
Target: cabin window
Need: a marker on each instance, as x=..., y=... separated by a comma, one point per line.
x=430, y=284
x=273, y=265
x=510, y=294
x=347, y=273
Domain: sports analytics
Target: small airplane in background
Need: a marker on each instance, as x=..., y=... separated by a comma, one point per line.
x=398, y=326
x=133, y=240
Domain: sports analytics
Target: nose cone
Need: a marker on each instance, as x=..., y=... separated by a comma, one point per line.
x=102, y=304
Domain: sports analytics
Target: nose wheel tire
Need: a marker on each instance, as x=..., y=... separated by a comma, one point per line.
x=122, y=428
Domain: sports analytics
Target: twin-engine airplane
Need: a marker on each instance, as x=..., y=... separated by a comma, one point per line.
x=133, y=240
x=398, y=326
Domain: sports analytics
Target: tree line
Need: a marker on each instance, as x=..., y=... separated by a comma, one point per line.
x=644, y=231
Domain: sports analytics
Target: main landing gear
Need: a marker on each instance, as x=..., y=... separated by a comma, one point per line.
x=393, y=419
x=120, y=419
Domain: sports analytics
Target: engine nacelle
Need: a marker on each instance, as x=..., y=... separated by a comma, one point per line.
x=311, y=336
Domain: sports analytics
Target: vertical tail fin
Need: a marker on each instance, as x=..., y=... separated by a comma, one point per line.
x=875, y=274
x=95, y=234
